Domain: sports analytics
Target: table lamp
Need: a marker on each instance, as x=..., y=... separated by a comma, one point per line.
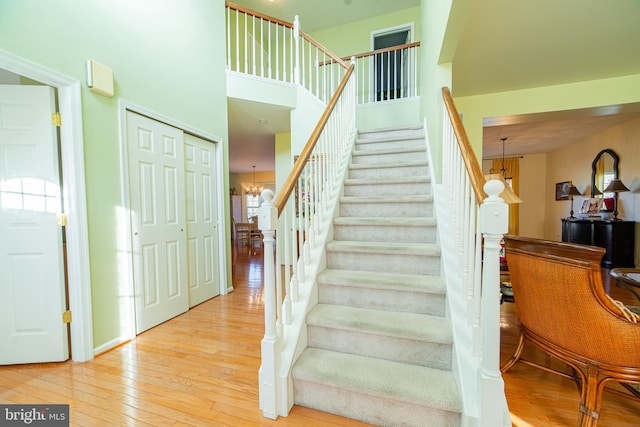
x=573, y=191
x=615, y=186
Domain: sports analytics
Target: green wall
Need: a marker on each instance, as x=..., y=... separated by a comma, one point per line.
x=167, y=57
x=595, y=93
x=355, y=37
x=433, y=75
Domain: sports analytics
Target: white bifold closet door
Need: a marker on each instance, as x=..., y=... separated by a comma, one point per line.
x=173, y=220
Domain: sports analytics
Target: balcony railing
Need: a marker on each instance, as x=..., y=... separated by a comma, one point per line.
x=265, y=47
x=387, y=74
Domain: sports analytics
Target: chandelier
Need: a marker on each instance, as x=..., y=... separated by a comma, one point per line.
x=503, y=171
x=253, y=190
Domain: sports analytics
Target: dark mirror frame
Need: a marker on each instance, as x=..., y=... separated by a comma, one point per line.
x=616, y=159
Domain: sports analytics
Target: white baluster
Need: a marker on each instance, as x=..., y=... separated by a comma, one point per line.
x=296, y=39
x=246, y=41
x=277, y=57
x=228, y=13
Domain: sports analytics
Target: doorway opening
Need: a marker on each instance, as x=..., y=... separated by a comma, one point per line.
x=70, y=158
x=392, y=67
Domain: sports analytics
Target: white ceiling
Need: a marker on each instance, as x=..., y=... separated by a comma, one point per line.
x=546, y=132
x=252, y=129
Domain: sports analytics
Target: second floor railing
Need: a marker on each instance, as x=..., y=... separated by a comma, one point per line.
x=265, y=47
x=387, y=74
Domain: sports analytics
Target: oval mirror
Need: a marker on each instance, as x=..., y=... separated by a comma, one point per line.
x=603, y=169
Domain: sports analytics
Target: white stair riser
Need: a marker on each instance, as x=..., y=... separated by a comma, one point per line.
x=382, y=299
x=389, y=209
x=393, y=157
x=384, y=262
x=383, y=233
x=404, y=350
x=372, y=144
x=369, y=408
x=388, y=189
x=388, y=172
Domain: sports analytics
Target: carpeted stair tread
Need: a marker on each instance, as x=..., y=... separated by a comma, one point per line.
x=407, y=127
x=418, y=327
x=380, y=345
x=392, y=380
x=393, y=135
x=390, y=221
x=388, y=165
x=383, y=151
x=392, y=281
x=413, y=136
x=387, y=199
x=425, y=249
x=383, y=181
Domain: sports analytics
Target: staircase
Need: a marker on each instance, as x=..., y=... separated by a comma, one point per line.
x=379, y=347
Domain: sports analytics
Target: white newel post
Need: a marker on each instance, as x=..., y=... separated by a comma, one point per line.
x=268, y=375
x=494, y=223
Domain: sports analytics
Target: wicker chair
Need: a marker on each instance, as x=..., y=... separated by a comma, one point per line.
x=563, y=310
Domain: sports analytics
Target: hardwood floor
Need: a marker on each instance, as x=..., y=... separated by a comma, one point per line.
x=198, y=369
x=201, y=369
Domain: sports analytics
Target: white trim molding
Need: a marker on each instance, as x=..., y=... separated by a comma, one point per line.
x=72, y=155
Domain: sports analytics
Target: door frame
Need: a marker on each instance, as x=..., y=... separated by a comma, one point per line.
x=72, y=163
x=410, y=27
x=125, y=234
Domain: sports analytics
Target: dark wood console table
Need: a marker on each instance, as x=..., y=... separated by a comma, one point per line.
x=617, y=237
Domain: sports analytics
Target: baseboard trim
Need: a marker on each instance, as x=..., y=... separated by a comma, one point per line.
x=110, y=345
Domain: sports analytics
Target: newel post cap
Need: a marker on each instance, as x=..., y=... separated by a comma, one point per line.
x=494, y=212
x=267, y=213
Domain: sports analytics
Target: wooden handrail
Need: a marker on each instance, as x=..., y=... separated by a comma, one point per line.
x=344, y=62
x=470, y=160
x=376, y=52
x=288, y=186
x=258, y=15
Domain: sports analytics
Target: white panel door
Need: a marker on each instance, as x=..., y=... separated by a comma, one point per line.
x=202, y=219
x=156, y=191
x=32, y=294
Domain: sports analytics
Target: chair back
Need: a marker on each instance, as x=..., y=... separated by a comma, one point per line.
x=560, y=300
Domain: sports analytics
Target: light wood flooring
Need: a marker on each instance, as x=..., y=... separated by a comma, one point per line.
x=201, y=369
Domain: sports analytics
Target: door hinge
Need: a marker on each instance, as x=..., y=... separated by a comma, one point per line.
x=62, y=219
x=66, y=316
x=56, y=119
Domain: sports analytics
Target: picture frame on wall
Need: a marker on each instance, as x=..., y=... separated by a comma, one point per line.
x=562, y=190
